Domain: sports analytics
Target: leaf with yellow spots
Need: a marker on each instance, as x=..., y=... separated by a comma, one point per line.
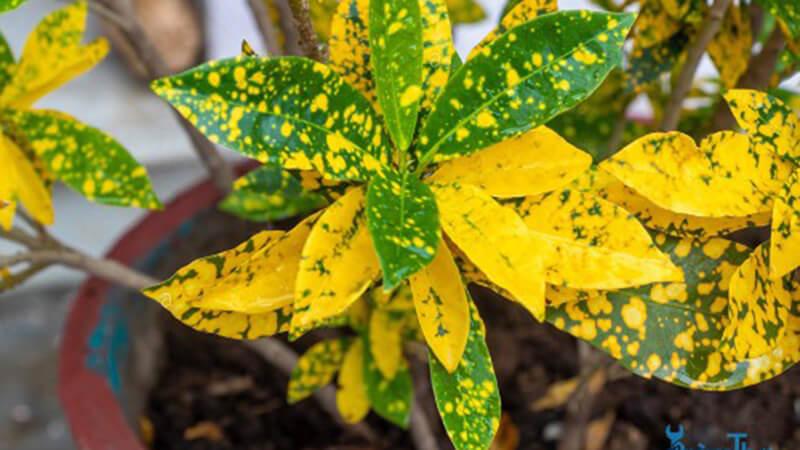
x=351, y=396
x=647, y=64
x=772, y=125
x=730, y=49
x=386, y=341
x=654, y=25
x=539, y=161
x=7, y=62
x=468, y=399
x=496, y=240
x=338, y=262
x=390, y=396
x=396, y=48
x=20, y=182
x=522, y=80
x=519, y=13
x=404, y=224
x=250, y=282
x=52, y=56
x=322, y=12
x=83, y=158
x=758, y=308
x=271, y=193
x=316, y=368
x=291, y=110
x=465, y=11
x=656, y=218
x=594, y=244
x=724, y=177
x=442, y=306
x=671, y=331
x=785, y=239
x=787, y=11
x=349, y=47
x=7, y=5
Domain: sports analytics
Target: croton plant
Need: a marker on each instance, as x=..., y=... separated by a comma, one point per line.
x=408, y=174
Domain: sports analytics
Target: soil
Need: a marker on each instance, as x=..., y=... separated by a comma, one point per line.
x=216, y=394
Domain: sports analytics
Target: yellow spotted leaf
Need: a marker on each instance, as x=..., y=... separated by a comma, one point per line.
x=316, y=368
x=349, y=47
x=772, y=125
x=724, y=177
x=595, y=244
x=52, y=56
x=338, y=262
x=21, y=182
x=351, y=397
x=539, y=161
x=785, y=243
x=730, y=49
x=496, y=240
x=758, y=310
x=524, y=11
x=386, y=342
x=654, y=25
x=440, y=298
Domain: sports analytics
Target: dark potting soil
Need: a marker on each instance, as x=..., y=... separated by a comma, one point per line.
x=217, y=394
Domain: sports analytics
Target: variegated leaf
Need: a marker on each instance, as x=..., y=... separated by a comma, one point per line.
x=730, y=49
x=521, y=12
x=496, y=240
x=772, y=125
x=785, y=243
x=442, y=306
x=351, y=397
x=390, y=397
x=522, y=80
x=654, y=25
x=338, y=262
x=724, y=177
x=7, y=62
x=21, y=182
x=290, y=109
x=52, y=56
x=404, y=224
x=349, y=47
x=386, y=341
x=539, y=161
x=465, y=11
x=647, y=64
x=787, y=11
x=316, y=368
x=468, y=399
x=84, y=158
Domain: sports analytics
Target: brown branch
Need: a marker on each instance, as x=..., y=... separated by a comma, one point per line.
x=758, y=75
x=593, y=377
x=308, y=37
x=708, y=30
x=269, y=35
x=149, y=59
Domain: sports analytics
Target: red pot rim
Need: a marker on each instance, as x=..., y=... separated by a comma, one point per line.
x=92, y=410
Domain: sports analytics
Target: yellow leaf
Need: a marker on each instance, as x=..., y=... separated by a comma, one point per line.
x=465, y=11
x=438, y=49
x=52, y=56
x=654, y=217
x=496, y=240
x=21, y=182
x=338, y=263
x=539, y=161
x=351, y=397
x=730, y=49
x=654, y=24
x=595, y=244
x=525, y=11
x=386, y=342
x=440, y=298
x=722, y=178
x=785, y=246
x=773, y=127
x=758, y=309
x=349, y=47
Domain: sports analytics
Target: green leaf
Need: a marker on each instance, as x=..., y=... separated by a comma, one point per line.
x=403, y=220
x=468, y=399
x=395, y=38
x=84, y=158
x=522, y=80
x=465, y=11
x=271, y=193
x=788, y=11
x=390, y=398
x=290, y=109
x=8, y=5
x=673, y=331
x=647, y=64
x=7, y=62
x=316, y=368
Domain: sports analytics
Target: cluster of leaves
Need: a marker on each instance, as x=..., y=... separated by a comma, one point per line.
x=417, y=174
x=38, y=147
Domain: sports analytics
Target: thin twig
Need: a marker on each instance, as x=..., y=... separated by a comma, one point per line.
x=19, y=236
x=151, y=60
x=594, y=374
x=269, y=34
x=708, y=30
x=420, y=429
x=308, y=37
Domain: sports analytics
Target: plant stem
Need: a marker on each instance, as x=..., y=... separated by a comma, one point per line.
x=148, y=57
x=708, y=30
x=308, y=37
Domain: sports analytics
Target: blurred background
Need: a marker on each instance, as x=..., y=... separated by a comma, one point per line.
x=114, y=100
